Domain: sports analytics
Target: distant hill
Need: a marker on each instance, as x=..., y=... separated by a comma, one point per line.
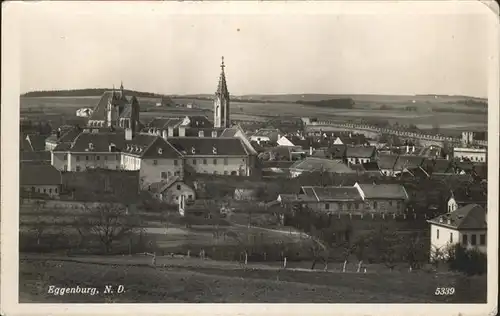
x=87, y=93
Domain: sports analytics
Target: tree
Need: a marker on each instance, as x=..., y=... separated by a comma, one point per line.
x=415, y=251
x=468, y=261
x=386, y=243
x=110, y=222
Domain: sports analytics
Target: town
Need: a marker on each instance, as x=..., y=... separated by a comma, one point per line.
x=285, y=193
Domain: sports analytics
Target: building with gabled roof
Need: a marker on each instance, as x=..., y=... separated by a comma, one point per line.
x=39, y=179
x=155, y=158
x=466, y=226
x=171, y=190
x=360, y=154
x=312, y=164
x=384, y=198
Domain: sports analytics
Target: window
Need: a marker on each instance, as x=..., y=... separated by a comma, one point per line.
x=437, y=233
x=50, y=190
x=190, y=197
x=464, y=240
x=194, y=161
x=375, y=204
x=327, y=206
x=44, y=190
x=86, y=157
x=155, y=162
x=177, y=173
x=204, y=161
x=482, y=239
x=178, y=187
x=55, y=190
x=390, y=203
x=451, y=238
x=473, y=240
x=78, y=168
x=163, y=175
x=225, y=161
x=215, y=161
x=77, y=158
x=97, y=157
x=176, y=162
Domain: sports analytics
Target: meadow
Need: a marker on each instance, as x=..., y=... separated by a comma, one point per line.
x=188, y=282
x=366, y=107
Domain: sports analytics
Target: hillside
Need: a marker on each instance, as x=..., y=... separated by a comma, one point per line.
x=87, y=93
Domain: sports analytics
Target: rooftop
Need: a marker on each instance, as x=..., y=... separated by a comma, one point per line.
x=209, y=146
x=384, y=191
x=471, y=217
x=332, y=193
x=311, y=164
x=360, y=151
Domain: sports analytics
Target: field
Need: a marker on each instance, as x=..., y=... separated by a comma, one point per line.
x=367, y=107
x=190, y=281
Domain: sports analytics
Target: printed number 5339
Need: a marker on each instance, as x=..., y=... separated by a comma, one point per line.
x=445, y=291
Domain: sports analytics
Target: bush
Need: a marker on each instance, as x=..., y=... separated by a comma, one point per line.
x=468, y=261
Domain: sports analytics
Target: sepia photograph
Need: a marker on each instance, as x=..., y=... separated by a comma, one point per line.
x=263, y=153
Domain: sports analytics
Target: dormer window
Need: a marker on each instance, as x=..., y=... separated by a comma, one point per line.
x=214, y=150
x=201, y=134
x=193, y=150
x=91, y=146
x=160, y=151
x=214, y=133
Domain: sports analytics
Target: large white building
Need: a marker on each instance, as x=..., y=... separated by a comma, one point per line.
x=472, y=154
x=466, y=226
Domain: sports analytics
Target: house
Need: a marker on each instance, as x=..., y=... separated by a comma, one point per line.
x=467, y=195
x=331, y=199
x=407, y=162
x=63, y=135
x=384, y=198
x=165, y=126
x=351, y=140
x=36, y=142
x=466, y=225
x=284, y=141
x=360, y=154
x=436, y=167
x=223, y=156
x=171, y=190
x=153, y=156
x=198, y=208
x=40, y=179
x=267, y=136
x=335, y=152
x=386, y=164
x=42, y=157
x=311, y=164
x=470, y=154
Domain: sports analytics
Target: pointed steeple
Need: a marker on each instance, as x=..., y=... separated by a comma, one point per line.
x=121, y=87
x=222, y=87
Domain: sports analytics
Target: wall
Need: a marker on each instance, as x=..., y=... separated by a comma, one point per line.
x=387, y=206
x=383, y=206
x=51, y=190
x=62, y=205
x=233, y=164
x=469, y=234
x=106, y=160
x=57, y=160
x=442, y=239
x=151, y=172
x=172, y=194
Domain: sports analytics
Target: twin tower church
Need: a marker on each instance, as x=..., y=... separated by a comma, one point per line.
x=116, y=110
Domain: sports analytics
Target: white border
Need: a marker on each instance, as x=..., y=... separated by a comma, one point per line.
x=11, y=13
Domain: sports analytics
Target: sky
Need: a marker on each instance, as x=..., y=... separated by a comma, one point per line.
x=264, y=53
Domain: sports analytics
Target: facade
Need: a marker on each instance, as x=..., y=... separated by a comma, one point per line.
x=332, y=200
x=40, y=179
x=466, y=226
x=470, y=154
x=220, y=156
x=360, y=154
x=384, y=198
x=171, y=191
x=221, y=101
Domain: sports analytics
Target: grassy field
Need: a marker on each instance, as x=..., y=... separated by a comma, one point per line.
x=218, y=284
x=366, y=107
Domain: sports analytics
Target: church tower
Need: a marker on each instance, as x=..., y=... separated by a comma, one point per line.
x=221, y=101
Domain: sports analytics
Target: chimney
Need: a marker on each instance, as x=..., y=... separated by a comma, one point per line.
x=128, y=134
x=164, y=134
x=182, y=131
x=407, y=148
x=310, y=150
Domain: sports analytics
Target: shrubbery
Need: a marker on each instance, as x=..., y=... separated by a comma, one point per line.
x=468, y=261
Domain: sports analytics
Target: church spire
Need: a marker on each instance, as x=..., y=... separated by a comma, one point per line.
x=222, y=87
x=121, y=87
